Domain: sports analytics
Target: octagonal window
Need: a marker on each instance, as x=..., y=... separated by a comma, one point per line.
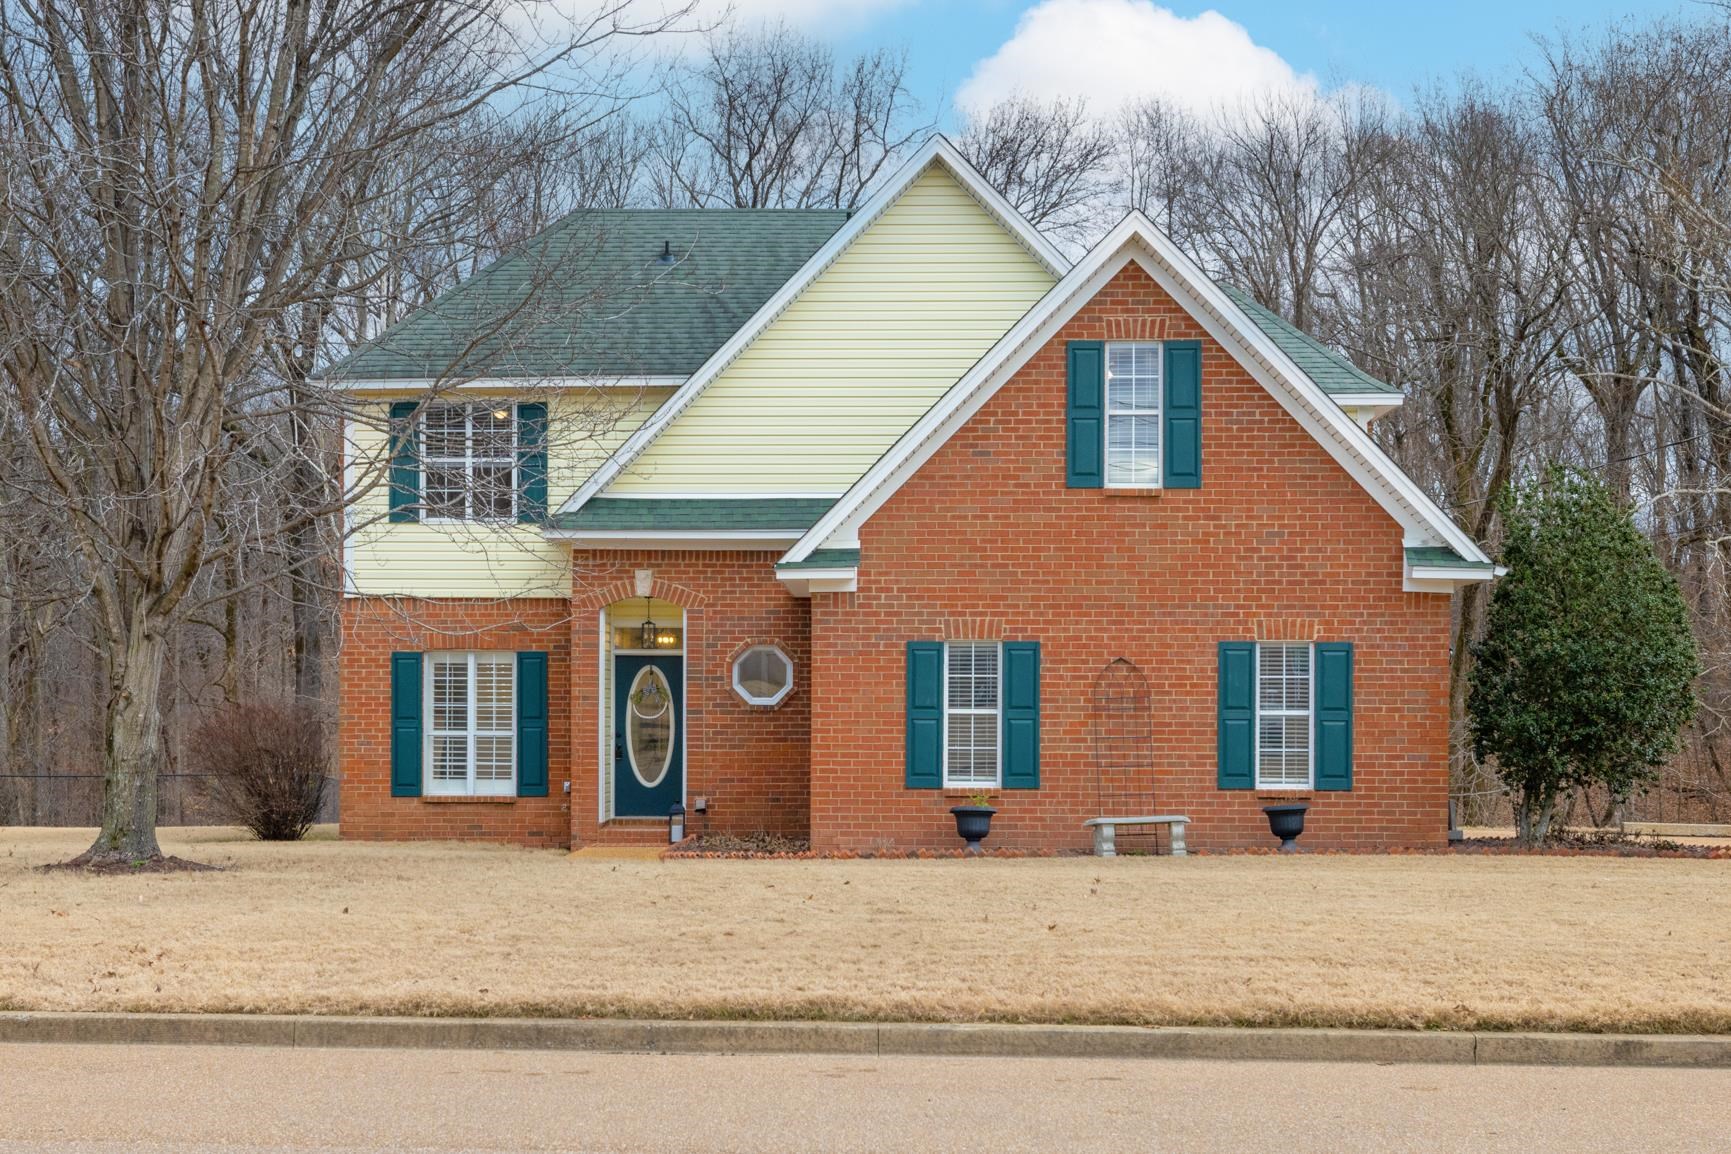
x=763, y=675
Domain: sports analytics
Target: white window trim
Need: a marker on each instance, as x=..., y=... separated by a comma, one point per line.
x=774, y=699
x=1157, y=413
x=467, y=463
x=431, y=786
x=1308, y=712
x=997, y=711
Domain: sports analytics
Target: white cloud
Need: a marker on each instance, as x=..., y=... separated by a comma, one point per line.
x=1114, y=51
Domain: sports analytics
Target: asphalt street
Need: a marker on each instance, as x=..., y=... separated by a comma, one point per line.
x=97, y=1099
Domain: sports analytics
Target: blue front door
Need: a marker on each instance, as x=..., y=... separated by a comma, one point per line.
x=648, y=735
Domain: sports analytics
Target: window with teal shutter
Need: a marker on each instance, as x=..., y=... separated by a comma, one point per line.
x=1085, y=415
x=532, y=462
x=1334, y=715
x=531, y=724
x=404, y=482
x=1237, y=715
x=1021, y=721
x=925, y=715
x=406, y=725
x=1182, y=416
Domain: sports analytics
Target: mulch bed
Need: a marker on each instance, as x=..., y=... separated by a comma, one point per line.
x=770, y=847
x=112, y=866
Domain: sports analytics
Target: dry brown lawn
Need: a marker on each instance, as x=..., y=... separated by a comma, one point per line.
x=344, y=928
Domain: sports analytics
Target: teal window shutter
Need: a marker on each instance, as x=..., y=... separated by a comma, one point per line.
x=405, y=725
x=405, y=476
x=532, y=462
x=1334, y=715
x=531, y=725
x=925, y=768
x=1237, y=732
x=1085, y=416
x=1181, y=416
x=1021, y=715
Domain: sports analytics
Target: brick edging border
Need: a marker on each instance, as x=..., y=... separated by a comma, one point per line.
x=614, y=1035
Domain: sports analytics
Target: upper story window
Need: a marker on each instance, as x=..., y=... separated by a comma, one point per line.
x=1283, y=715
x=469, y=461
x=1133, y=385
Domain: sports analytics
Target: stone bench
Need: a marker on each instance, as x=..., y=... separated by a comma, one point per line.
x=1106, y=832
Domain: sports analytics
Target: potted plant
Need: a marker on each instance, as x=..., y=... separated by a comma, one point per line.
x=974, y=820
x=1286, y=822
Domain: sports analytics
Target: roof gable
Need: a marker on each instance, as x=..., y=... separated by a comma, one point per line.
x=937, y=151
x=601, y=293
x=1136, y=239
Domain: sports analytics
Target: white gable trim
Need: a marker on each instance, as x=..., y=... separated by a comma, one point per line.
x=1136, y=239
x=937, y=150
x=419, y=385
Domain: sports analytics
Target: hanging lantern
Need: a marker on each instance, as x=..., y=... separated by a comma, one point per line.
x=647, y=633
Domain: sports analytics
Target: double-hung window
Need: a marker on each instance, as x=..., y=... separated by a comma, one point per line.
x=1133, y=384
x=470, y=471
x=1284, y=715
x=972, y=728
x=472, y=739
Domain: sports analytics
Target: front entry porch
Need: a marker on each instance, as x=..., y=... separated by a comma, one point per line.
x=643, y=724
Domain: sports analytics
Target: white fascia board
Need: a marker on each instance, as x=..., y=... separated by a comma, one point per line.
x=1368, y=400
x=803, y=583
x=1136, y=238
x=937, y=150
x=703, y=539
x=432, y=385
x=830, y=495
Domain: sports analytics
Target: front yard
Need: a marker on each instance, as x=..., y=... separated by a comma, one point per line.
x=329, y=927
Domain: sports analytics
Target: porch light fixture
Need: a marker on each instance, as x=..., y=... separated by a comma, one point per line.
x=647, y=633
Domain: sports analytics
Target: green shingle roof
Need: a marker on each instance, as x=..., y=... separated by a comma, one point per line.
x=794, y=514
x=591, y=296
x=825, y=559
x=1441, y=557
x=1332, y=372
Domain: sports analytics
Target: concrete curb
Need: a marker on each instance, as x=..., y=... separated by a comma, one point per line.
x=627, y=1036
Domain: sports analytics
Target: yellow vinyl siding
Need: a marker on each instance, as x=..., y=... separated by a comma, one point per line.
x=482, y=560
x=869, y=346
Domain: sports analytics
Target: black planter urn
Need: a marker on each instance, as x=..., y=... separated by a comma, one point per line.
x=1286, y=822
x=973, y=823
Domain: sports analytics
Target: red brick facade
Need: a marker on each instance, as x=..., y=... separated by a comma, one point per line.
x=984, y=542
x=373, y=629
x=748, y=762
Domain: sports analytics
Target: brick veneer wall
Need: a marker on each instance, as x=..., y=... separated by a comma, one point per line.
x=750, y=762
x=986, y=542
x=376, y=627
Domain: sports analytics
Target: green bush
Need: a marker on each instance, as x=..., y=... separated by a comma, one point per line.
x=1585, y=672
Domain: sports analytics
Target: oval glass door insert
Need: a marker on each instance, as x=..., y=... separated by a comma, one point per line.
x=649, y=726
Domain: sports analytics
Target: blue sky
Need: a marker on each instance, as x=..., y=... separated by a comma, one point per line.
x=1394, y=46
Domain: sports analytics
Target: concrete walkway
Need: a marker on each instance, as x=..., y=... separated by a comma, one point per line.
x=106, y=1099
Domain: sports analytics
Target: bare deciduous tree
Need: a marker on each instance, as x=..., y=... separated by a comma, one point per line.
x=183, y=178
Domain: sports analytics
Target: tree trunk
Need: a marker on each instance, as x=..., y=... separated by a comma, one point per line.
x=134, y=748
x=1533, y=813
